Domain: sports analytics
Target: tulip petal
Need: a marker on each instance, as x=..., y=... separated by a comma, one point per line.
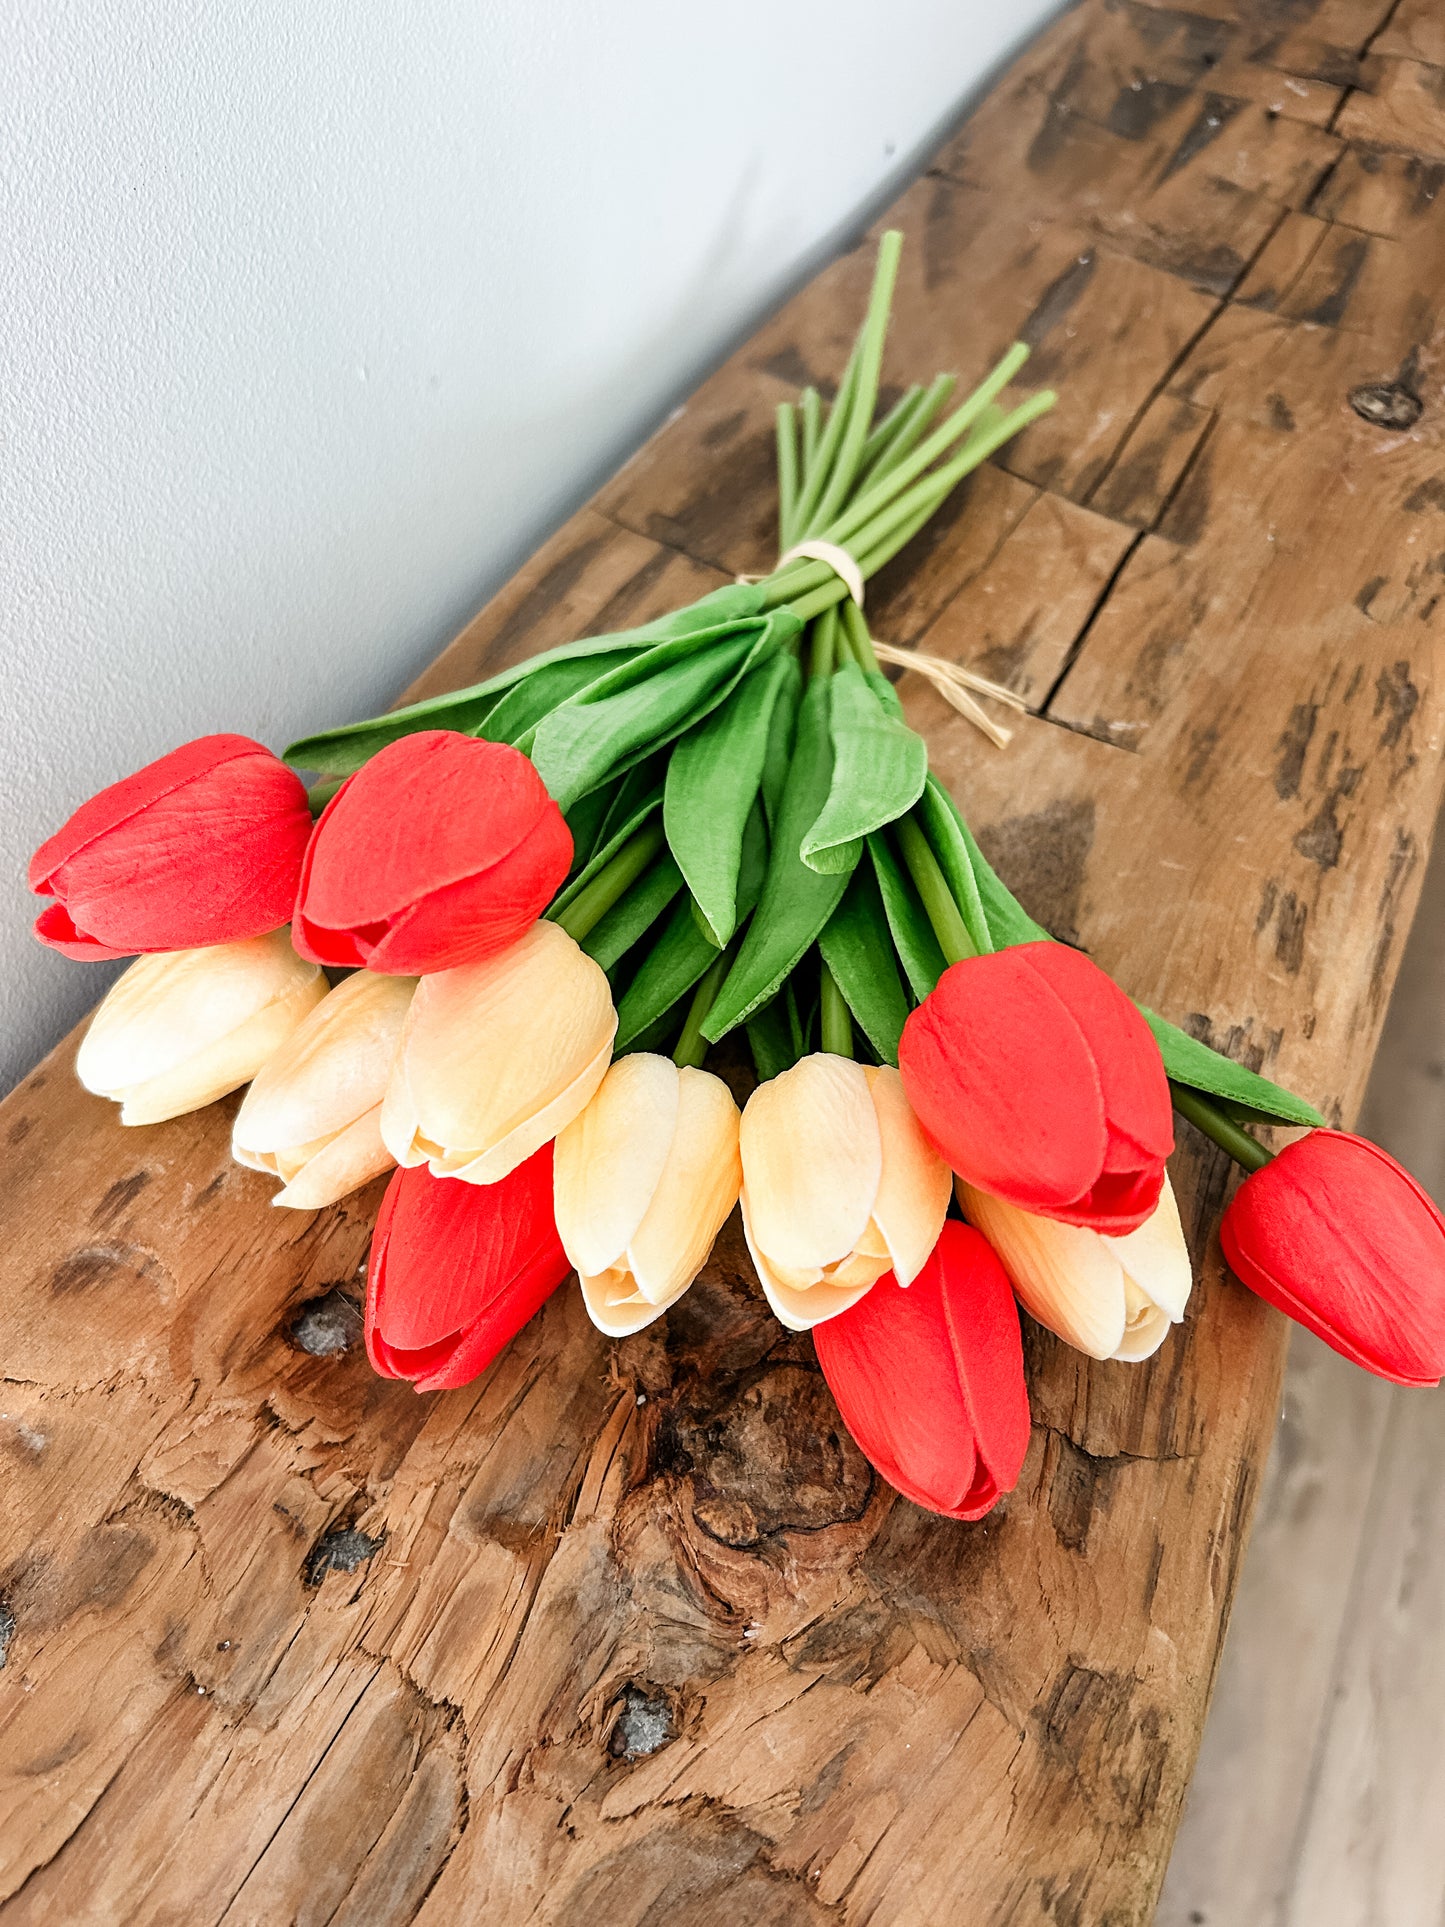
x=478, y=915
x=1146, y=1326
x=916, y=1184
x=443, y=1253
x=532, y=1133
x=490, y=1048
x=170, y=1004
x=616, y=1307
x=334, y=1068
x=812, y=1162
x=221, y=1067
x=1156, y=1257
x=696, y=1193
x=1067, y=1277
x=1342, y=1239
x=929, y=1380
x=438, y=852
x=610, y=1158
x=343, y=1164
x=201, y=847
x=802, y=1309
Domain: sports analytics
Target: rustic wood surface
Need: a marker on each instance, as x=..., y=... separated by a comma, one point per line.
x=629, y=1632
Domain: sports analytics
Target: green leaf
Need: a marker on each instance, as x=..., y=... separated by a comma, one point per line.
x=639, y=807
x=1189, y=1062
x=771, y=1040
x=912, y=933
x=796, y=901
x=857, y=948
x=634, y=913
x=337, y=752
x=585, y=820
x=781, y=731
x=880, y=766
x=1008, y=922
x=955, y=850
x=670, y=969
x=645, y=702
x=340, y=752
x=712, y=780
x=519, y=709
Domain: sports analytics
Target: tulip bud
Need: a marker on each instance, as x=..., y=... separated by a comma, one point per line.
x=1042, y=1084
x=313, y=1115
x=496, y=1057
x=930, y=1380
x=645, y=1177
x=456, y=1270
x=839, y=1186
x=203, y=846
x=182, y=1028
x=1112, y=1297
x=438, y=852
x=1337, y=1235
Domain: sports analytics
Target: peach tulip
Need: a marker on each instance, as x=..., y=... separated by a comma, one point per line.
x=181, y=1028
x=497, y=1056
x=645, y=1177
x=313, y=1116
x=839, y=1186
x=1112, y=1297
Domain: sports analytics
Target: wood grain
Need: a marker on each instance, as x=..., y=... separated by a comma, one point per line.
x=630, y=1632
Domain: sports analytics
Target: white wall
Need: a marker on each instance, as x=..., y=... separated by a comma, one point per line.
x=315, y=318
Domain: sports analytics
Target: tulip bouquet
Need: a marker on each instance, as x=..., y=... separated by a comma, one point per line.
x=543, y=900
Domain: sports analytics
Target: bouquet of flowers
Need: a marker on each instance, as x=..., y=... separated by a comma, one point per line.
x=493, y=946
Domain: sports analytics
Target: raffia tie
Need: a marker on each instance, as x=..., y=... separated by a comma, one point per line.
x=958, y=686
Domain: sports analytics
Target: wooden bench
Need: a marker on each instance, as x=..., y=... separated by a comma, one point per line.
x=629, y=1633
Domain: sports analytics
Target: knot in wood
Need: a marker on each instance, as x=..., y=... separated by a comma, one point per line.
x=1386, y=404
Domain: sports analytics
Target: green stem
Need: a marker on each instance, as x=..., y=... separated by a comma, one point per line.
x=810, y=414
x=825, y=644
x=822, y=465
x=835, y=1021
x=591, y=904
x=787, y=437
x=935, y=397
x=855, y=629
x=943, y=437
x=691, y=1046
x=932, y=887
x=1228, y=1135
x=864, y=393
x=892, y=424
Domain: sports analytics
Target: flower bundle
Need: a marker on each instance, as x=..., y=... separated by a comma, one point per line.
x=544, y=899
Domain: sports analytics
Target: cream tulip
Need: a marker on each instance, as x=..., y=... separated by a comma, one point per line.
x=839, y=1186
x=643, y=1181
x=182, y=1027
x=497, y=1056
x=1109, y=1297
x=313, y=1115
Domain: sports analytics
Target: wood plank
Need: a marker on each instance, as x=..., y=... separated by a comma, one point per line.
x=1235, y=1859
x=633, y=1627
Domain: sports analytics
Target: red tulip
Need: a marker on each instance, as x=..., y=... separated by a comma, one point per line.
x=440, y=851
x=930, y=1378
x=202, y=846
x=457, y=1269
x=1337, y=1235
x=1040, y=1082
